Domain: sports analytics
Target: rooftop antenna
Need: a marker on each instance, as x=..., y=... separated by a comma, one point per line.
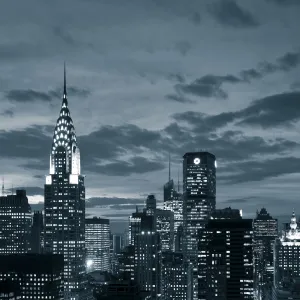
x=178, y=182
x=2, y=186
x=169, y=167
x=12, y=188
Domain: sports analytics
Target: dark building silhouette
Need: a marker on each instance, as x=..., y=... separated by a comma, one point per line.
x=176, y=278
x=179, y=239
x=123, y=290
x=37, y=233
x=35, y=276
x=15, y=221
x=9, y=290
x=150, y=204
x=126, y=263
x=65, y=204
x=226, y=257
x=199, y=200
x=147, y=256
x=265, y=231
x=97, y=243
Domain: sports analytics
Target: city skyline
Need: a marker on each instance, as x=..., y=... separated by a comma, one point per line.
x=139, y=90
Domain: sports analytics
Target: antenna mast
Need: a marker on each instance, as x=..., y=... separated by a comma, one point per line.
x=2, y=186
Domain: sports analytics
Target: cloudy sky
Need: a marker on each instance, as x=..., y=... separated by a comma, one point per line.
x=149, y=77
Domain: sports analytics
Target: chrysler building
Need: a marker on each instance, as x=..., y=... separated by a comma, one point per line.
x=65, y=204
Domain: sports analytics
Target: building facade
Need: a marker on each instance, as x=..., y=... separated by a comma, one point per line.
x=199, y=200
x=287, y=263
x=65, y=204
x=37, y=233
x=35, y=276
x=165, y=228
x=97, y=243
x=226, y=257
x=265, y=231
x=15, y=223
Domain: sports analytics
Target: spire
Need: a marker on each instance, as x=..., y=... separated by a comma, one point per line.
x=178, y=187
x=169, y=166
x=2, y=186
x=65, y=81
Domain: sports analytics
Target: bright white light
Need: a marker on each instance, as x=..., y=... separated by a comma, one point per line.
x=197, y=161
x=241, y=212
x=89, y=263
x=216, y=165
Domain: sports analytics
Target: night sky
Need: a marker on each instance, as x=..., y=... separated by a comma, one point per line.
x=151, y=77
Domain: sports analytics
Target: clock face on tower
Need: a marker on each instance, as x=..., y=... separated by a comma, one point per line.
x=196, y=161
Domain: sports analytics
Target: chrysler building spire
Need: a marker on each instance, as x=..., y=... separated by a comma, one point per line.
x=64, y=140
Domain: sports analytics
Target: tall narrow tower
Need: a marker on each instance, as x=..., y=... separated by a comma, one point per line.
x=65, y=203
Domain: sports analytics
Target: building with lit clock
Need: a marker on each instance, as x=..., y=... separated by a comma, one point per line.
x=65, y=204
x=199, y=201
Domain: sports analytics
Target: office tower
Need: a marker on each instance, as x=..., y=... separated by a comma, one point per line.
x=165, y=228
x=199, y=200
x=265, y=231
x=226, y=257
x=97, y=243
x=65, y=203
x=116, y=243
x=15, y=221
x=134, y=225
x=150, y=204
x=147, y=257
x=126, y=263
x=176, y=278
x=179, y=239
x=287, y=262
x=37, y=233
x=36, y=276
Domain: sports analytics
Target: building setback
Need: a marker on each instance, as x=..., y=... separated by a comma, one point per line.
x=97, y=243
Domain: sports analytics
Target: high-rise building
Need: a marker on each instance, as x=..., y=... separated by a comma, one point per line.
x=199, y=200
x=117, y=243
x=15, y=222
x=147, y=257
x=176, y=278
x=9, y=290
x=226, y=257
x=287, y=263
x=36, y=276
x=126, y=263
x=97, y=243
x=165, y=228
x=65, y=204
x=150, y=204
x=37, y=233
x=265, y=231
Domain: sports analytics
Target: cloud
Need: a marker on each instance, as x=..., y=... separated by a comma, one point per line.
x=229, y=13
x=285, y=2
x=26, y=96
x=207, y=86
x=251, y=171
x=240, y=200
x=250, y=74
x=276, y=110
x=183, y=47
x=8, y=113
x=105, y=201
x=179, y=98
x=135, y=165
x=31, y=190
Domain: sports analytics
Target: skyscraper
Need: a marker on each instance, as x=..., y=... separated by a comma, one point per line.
x=65, y=203
x=287, y=263
x=37, y=233
x=199, y=200
x=15, y=221
x=97, y=243
x=165, y=228
x=265, y=231
x=226, y=257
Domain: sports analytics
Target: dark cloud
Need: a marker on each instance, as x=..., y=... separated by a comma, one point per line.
x=251, y=171
x=135, y=165
x=8, y=113
x=250, y=74
x=240, y=200
x=179, y=98
x=208, y=86
x=183, y=47
x=32, y=95
x=275, y=110
x=177, y=77
x=64, y=36
x=285, y=2
x=196, y=18
x=229, y=13
x=289, y=61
